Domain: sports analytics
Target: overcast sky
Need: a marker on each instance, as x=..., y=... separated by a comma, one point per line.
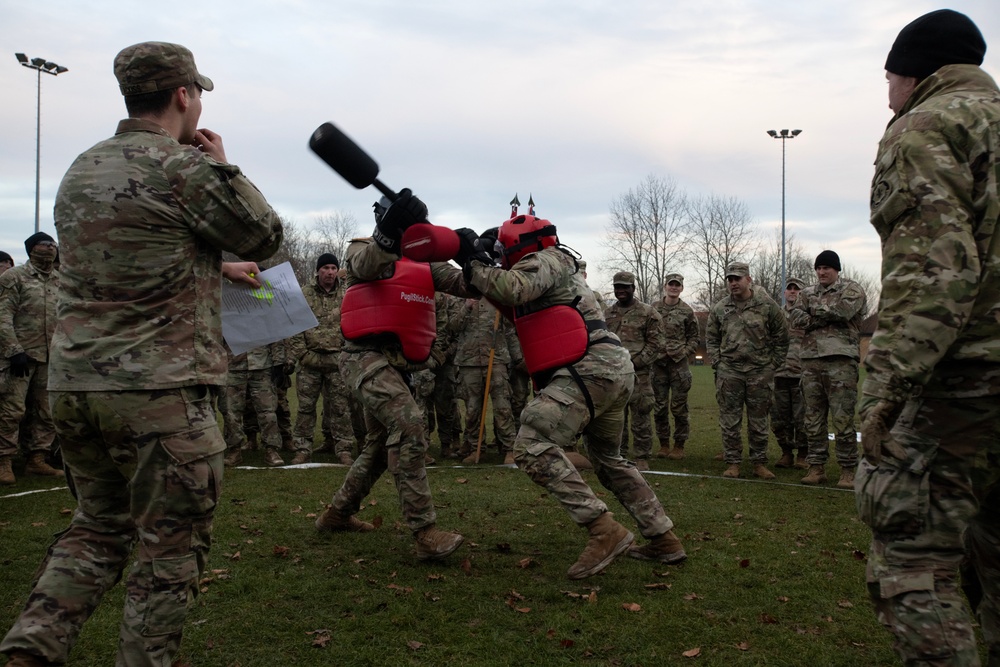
x=468, y=103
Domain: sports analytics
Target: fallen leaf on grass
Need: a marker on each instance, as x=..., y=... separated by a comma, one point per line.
x=858, y=555
x=767, y=618
x=745, y=562
x=320, y=638
x=567, y=643
x=461, y=480
x=311, y=515
x=235, y=556
x=467, y=566
x=64, y=511
x=377, y=522
x=414, y=645
x=525, y=563
x=404, y=590
x=297, y=510
x=845, y=604
x=658, y=586
x=435, y=577
x=631, y=606
x=592, y=598
x=694, y=596
x=37, y=524
x=783, y=598
x=743, y=646
x=280, y=551
x=692, y=653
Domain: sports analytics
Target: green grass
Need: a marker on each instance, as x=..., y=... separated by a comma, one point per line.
x=775, y=574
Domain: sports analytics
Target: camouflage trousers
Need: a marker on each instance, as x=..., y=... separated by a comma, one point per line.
x=932, y=515
x=471, y=389
x=735, y=390
x=395, y=441
x=640, y=410
x=671, y=384
x=830, y=391
x=551, y=422
x=310, y=384
x=520, y=390
x=788, y=415
x=24, y=406
x=443, y=404
x=145, y=467
x=281, y=411
x=258, y=386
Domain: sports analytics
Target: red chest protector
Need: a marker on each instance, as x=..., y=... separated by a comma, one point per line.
x=552, y=338
x=400, y=306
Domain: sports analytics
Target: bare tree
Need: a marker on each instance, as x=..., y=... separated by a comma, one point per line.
x=720, y=230
x=647, y=232
x=765, y=267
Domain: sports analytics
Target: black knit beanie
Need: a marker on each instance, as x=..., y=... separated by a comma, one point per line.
x=35, y=239
x=943, y=37
x=827, y=258
x=327, y=258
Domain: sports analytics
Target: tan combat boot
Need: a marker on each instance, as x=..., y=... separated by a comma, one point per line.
x=508, y=459
x=815, y=476
x=760, y=470
x=333, y=522
x=344, y=458
x=273, y=458
x=434, y=543
x=6, y=472
x=846, y=479
x=608, y=540
x=471, y=459
x=665, y=548
x=664, y=452
x=301, y=456
x=733, y=471
x=38, y=466
x=787, y=459
x=642, y=465
x=678, y=452
x=234, y=458
x=800, y=459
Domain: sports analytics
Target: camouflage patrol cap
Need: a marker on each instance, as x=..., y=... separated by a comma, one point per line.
x=674, y=277
x=739, y=269
x=623, y=278
x=153, y=66
x=798, y=282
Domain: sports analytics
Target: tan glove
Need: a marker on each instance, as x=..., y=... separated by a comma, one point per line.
x=875, y=434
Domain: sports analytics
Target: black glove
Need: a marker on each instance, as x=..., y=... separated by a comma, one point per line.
x=407, y=210
x=470, y=250
x=19, y=365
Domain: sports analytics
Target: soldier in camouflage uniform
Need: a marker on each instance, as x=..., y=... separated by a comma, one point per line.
x=788, y=407
x=252, y=374
x=6, y=262
x=441, y=405
x=27, y=320
x=747, y=341
x=830, y=315
x=375, y=368
x=671, y=375
x=484, y=330
x=142, y=219
x=640, y=329
x=589, y=395
x=317, y=354
x=929, y=483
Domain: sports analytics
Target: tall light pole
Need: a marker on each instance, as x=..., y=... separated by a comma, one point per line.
x=49, y=67
x=784, y=134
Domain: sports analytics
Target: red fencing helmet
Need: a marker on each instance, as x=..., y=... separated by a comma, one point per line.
x=524, y=234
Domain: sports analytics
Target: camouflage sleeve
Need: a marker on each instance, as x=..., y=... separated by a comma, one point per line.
x=656, y=341
x=295, y=347
x=691, y=334
x=449, y=279
x=778, y=334
x=226, y=209
x=513, y=344
x=365, y=260
x=930, y=263
x=10, y=300
x=713, y=338
x=851, y=302
x=525, y=282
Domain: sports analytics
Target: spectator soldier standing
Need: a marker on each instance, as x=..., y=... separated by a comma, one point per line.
x=640, y=330
x=27, y=320
x=142, y=219
x=787, y=407
x=584, y=378
x=671, y=374
x=317, y=353
x=747, y=340
x=6, y=262
x=930, y=403
x=830, y=314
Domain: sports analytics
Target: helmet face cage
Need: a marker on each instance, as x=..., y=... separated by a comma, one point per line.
x=522, y=235
x=380, y=208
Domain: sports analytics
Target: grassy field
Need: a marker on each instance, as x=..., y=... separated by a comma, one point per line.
x=775, y=574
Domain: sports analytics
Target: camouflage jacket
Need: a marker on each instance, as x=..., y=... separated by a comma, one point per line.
x=27, y=312
x=747, y=336
x=547, y=278
x=640, y=329
x=477, y=337
x=935, y=203
x=326, y=337
x=142, y=224
x=830, y=318
x=366, y=261
x=680, y=330
x=260, y=358
x=792, y=368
